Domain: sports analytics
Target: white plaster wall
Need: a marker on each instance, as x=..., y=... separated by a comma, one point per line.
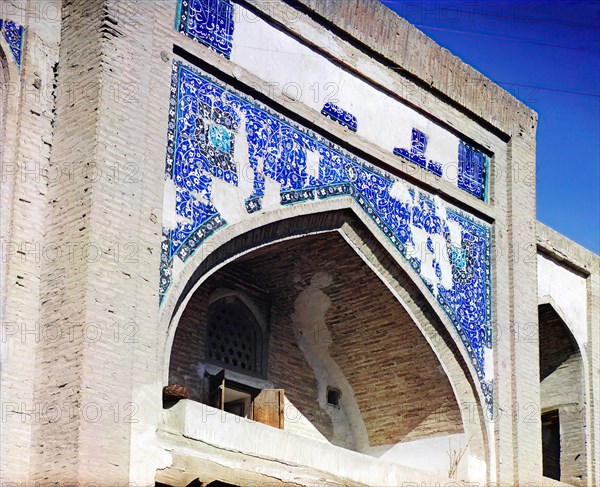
x=145, y=454
x=295, y=422
x=430, y=454
x=300, y=73
x=568, y=292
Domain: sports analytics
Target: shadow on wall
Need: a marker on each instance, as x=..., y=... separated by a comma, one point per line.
x=333, y=326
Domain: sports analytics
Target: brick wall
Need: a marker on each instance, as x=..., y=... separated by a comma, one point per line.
x=28, y=99
x=399, y=385
x=561, y=377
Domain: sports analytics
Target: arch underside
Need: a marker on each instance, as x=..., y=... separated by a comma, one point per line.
x=264, y=239
x=323, y=332
x=286, y=258
x=230, y=159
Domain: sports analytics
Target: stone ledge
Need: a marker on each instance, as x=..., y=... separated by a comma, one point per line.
x=198, y=434
x=566, y=250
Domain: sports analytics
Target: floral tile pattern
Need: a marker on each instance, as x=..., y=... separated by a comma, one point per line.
x=13, y=34
x=340, y=115
x=212, y=128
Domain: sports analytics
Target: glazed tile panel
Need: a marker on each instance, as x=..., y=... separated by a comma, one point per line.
x=13, y=34
x=214, y=132
x=340, y=115
x=416, y=153
x=220, y=24
x=209, y=22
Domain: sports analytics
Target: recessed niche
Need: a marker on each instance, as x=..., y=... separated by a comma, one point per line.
x=333, y=396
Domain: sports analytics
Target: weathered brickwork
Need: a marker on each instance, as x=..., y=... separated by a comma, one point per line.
x=27, y=95
x=562, y=389
x=400, y=388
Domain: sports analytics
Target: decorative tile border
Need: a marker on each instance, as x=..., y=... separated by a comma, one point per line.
x=340, y=115
x=13, y=34
x=447, y=248
x=209, y=22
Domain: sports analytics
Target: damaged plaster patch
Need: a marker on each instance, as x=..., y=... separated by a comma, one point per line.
x=400, y=192
x=230, y=200
x=489, y=363
x=146, y=455
x=313, y=161
x=453, y=226
x=314, y=340
x=169, y=208
x=272, y=197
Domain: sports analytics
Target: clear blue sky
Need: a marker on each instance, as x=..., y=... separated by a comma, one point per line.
x=547, y=54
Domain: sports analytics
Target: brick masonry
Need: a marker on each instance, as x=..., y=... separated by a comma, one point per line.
x=92, y=94
x=397, y=380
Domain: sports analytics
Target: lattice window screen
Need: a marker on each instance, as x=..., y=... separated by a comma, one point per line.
x=234, y=337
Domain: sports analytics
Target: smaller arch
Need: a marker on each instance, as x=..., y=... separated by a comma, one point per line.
x=562, y=399
x=548, y=300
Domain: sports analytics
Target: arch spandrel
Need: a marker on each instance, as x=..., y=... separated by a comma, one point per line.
x=230, y=161
x=13, y=35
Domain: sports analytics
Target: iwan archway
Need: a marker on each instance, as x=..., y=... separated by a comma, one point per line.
x=363, y=358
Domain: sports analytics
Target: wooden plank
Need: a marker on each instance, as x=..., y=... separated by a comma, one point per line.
x=217, y=390
x=267, y=407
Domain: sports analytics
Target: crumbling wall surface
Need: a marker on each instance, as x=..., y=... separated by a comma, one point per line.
x=28, y=97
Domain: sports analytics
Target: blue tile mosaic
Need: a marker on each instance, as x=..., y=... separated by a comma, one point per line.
x=472, y=170
x=340, y=115
x=416, y=154
x=472, y=164
x=205, y=119
x=209, y=22
x=418, y=146
x=13, y=34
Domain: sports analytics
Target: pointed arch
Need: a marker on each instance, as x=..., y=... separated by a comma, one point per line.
x=340, y=216
x=562, y=394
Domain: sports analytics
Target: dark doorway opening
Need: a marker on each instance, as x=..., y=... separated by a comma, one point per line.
x=551, y=444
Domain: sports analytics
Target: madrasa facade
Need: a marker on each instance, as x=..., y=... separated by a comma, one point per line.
x=267, y=243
